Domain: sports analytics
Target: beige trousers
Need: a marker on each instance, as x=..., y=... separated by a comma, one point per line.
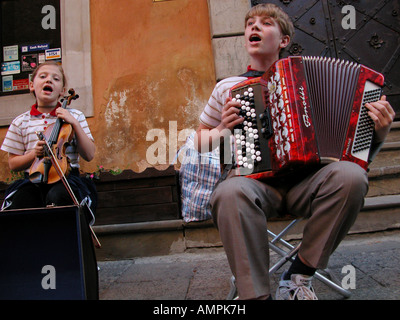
x=330, y=198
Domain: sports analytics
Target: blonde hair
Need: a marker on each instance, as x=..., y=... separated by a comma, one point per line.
x=275, y=12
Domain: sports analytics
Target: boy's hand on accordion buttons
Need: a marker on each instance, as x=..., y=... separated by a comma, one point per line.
x=382, y=113
x=230, y=114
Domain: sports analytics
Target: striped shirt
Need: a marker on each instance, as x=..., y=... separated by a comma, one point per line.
x=211, y=116
x=21, y=136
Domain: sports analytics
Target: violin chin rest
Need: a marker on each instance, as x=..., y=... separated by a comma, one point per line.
x=36, y=177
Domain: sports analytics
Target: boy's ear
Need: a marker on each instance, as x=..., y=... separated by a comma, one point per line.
x=284, y=41
x=31, y=90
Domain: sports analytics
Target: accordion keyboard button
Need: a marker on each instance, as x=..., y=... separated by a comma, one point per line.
x=287, y=147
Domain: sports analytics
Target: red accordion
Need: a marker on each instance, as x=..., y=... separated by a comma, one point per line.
x=302, y=112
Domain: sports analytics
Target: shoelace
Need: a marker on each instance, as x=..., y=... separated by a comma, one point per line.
x=301, y=290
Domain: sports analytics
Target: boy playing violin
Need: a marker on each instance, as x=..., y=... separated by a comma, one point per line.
x=24, y=146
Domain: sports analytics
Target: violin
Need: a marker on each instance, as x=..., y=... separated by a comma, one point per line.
x=55, y=164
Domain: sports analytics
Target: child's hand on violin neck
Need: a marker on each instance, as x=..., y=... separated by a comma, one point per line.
x=39, y=148
x=65, y=115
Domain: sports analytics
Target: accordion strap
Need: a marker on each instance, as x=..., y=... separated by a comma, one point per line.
x=252, y=74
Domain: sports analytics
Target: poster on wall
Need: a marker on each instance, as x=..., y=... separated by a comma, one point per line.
x=12, y=67
x=20, y=84
x=10, y=53
x=7, y=83
x=29, y=62
x=41, y=57
x=35, y=47
x=53, y=54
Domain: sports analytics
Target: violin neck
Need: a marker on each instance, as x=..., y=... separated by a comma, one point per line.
x=57, y=127
x=55, y=132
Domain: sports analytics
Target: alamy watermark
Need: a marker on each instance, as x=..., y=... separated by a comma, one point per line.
x=349, y=20
x=349, y=280
x=49, y=20
x=49, y=280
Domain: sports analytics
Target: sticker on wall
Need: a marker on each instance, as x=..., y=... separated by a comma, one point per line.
x=41, y=57
x=29, y=62
x=35, y=47
x=20, y=84
x=13, y=67
x=10, y=53
x=7, y=83
x=53, y=54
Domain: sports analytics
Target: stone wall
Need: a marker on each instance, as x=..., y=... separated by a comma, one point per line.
x=227, y=31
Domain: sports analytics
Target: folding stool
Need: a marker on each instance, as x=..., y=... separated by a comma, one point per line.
x=288, y=253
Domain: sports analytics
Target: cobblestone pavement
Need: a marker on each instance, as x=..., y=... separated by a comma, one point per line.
x=368, y=262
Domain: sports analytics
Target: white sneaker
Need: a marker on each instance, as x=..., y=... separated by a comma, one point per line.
x=297, y=288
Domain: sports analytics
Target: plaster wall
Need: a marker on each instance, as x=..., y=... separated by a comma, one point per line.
x=152, y=73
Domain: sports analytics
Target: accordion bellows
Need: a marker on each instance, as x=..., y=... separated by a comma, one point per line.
x=305, y=111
